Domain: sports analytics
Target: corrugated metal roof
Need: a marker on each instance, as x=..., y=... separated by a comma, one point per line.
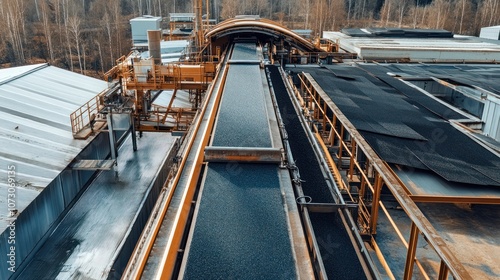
x=35, y=129
x=457, y=49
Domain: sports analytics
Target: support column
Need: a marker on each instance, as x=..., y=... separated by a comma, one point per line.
x=412, y=250
x=443, y=271
x=340, y=150
x=377, y=188
x=352, y=159
x=132, y=131
x=111, y=133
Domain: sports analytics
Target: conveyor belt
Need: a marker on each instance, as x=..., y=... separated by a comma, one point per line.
x=339, y=257
x=241, y=230
x=240, y=226
x=242, y=119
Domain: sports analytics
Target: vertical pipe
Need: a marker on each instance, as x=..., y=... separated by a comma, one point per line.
x=341, y=144
x=198, y=26
x=208, y=14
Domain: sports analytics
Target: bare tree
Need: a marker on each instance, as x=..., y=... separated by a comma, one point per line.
x=14, y=16
x=307, y=12
x=74, y=28
x=337, y=14
x=349, y=8
x=229, y=9
x=45, y=17
x=65, y=19
x=386, y=12
x=490, y=11
x=440, y=9
x=402, y=5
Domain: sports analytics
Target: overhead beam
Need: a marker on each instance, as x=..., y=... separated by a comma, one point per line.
x=243, y=154
x=266, y=25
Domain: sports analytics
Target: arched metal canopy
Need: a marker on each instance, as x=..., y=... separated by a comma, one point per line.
x=263, y=27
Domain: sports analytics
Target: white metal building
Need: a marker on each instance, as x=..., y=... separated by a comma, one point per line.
x=491, y=32
x=459, y=49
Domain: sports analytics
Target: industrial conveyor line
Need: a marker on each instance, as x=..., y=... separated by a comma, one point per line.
x=155, y=255
x=162, y=243
x=245, y=219
x=341, y=256
x=240, y=227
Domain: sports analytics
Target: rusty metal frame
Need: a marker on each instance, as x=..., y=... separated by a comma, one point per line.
x=264, y=24
x=175, y=76
x=83, y=119
x=373, y=175
x=412, y=252
x=82, y=116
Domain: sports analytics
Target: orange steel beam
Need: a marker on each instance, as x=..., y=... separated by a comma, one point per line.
x=264, y=24
x=352, y=158
x=400, y=235
x=382, y=260
x=455, y=199
x=243, y=154
x=331, y=162
x=412, y=250
x=375, y=204
x=443, y=271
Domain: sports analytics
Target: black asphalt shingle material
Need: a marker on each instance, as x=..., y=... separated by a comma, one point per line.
x=403, y=125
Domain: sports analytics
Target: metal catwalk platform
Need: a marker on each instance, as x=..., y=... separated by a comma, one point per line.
x=99, y=232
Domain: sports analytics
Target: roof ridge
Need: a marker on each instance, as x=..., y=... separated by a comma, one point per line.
x=32, y=70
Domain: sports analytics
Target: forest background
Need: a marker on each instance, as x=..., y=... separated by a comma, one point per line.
x=87, y=36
